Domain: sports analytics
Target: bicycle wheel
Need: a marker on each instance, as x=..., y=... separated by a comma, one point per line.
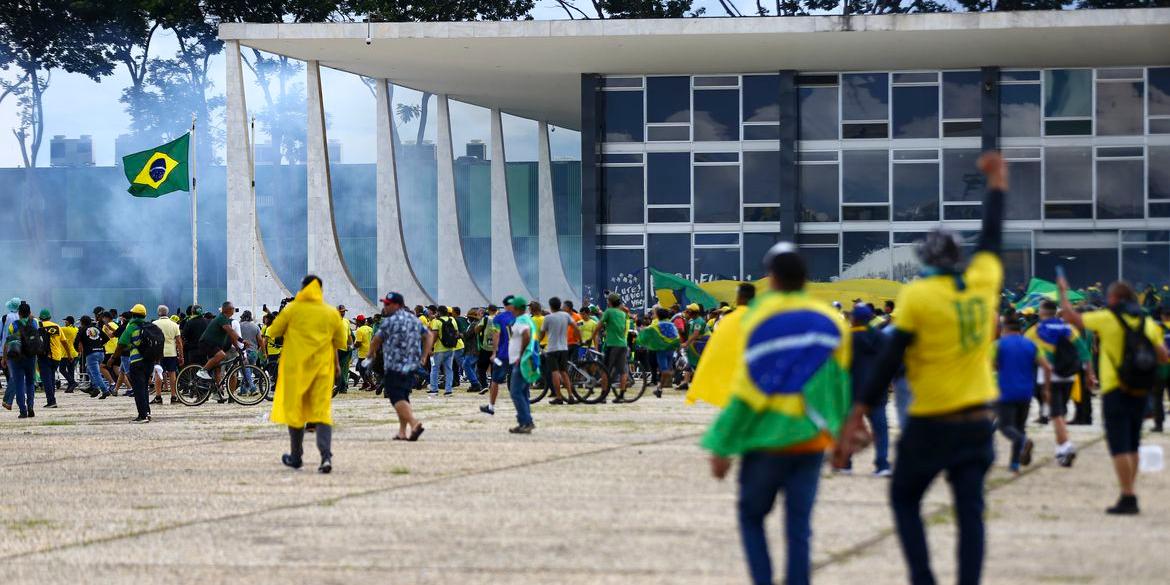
x=535, y=396
x=240, y=392
x=190, y=391
x=588, y=382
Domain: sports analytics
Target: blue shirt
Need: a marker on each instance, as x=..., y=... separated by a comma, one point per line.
x=1015, y=362
x=401, y=334
x=504, y=321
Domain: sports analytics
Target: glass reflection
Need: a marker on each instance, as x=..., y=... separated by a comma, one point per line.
x=818, y=193
x=818, y=113
x=622, y=116
x=668, y=178
x=621, y=189
x=865, y=96
x=916, y=112
x=1068, y=93
x=1119, y=189
x=962, y=95
x=1119, y=108
x=670, y=253
x=865, y=176
x=916, y=192
x=761, y=177
x=760, y=98
x=716, y=194
x=1068, y=173
x=961, y=180
x=1019, y=110
x=716, y=114
x=716, y=264
x=668, y=99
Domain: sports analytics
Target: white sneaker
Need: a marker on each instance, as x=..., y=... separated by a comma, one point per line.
x=203, y=374
x=883, y=473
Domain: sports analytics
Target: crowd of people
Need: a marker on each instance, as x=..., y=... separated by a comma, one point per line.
x=795, y=379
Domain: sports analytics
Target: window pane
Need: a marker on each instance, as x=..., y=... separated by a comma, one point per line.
x=1068, y=93
x=865, y=96
x=962, y=97
x=761, y=177
x=916, y=112
x=1145, y=265
x=916, y=192
x=717, y=114
x=668, y=99
x=818, y=193
x=1159, y=91
x=1119, y=108
x=818, y=113
x=1068, y=173
x=1024, y=200
x=1119, y=189
x=716, y=264
x=764, y=132
x=754, y=248
x=865, y=255
x=625, y=276
x=669, y=253
x=768, y=213
x=761, y=98
x=860, y=131
x=1159, y=168
x=865, y=176
x=668, y=133
x=622, y=199
x=1068, y=211
x=1019, y=110
x=961, y=180
x=865, y=213
x=822, y=263
x=717, y=194
x=623, y=116
x=668, y=215
x=1082, y=266
x=668, y=178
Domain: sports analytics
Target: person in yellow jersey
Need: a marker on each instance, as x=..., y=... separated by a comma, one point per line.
x=447, y=341
x=69, y=364
x=361, y=343
x=308, y=367
x=272, y=348
x=51, y=357
x=1131, y=349
x=944, y=334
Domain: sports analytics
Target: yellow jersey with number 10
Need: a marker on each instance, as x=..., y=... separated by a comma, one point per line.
x=948, y=363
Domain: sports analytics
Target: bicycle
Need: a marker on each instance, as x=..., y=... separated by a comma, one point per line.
x=591, y=383
x=193, y=390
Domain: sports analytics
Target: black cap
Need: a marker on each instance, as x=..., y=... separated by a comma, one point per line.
x=394, y=297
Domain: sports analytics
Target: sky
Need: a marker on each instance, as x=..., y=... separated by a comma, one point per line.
x=76, y=105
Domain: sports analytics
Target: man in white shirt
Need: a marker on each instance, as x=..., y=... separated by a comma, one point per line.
x=172, y=355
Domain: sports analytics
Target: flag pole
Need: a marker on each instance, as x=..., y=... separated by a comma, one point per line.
x=194, y=219
x=252, y=212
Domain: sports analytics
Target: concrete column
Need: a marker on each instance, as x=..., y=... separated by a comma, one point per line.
x=456, y=286
x=506, y=279
x=324, y=253
x=553, y=282
x=394, y=271
x=251, y=281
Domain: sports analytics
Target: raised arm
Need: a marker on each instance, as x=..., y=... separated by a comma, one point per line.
x=995, y=169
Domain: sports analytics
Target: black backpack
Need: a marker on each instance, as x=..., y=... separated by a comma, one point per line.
x=1066, y=360
x=28, y=334
x=46, y=338
x=448, y=332
x=150, y=342
x=1138, y=368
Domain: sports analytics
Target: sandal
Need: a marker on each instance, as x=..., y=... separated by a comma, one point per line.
x=416, y=433
x=399, y=438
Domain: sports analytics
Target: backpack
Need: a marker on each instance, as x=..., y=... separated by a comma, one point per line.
x=1138, y=369
x=469, y=340
x=448, y=333
x=1066, y=360
x=150, y=342
x=45, y=339
x=486, y=332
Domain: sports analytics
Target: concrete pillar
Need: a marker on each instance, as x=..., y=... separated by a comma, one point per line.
x=456, y=286
x=394, y=271
x=553, y=282
x=506, y=279
x=324, y=253
x=251, y=281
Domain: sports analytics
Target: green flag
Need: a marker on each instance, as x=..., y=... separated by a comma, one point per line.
x=160, y=170
x=685, y=291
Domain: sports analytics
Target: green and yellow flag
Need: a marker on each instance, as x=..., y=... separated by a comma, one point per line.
x=160, y=170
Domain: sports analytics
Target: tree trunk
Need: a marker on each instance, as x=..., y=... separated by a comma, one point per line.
x=423, y=109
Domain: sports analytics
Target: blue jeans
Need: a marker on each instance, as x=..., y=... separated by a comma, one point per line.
x=468, y=361
x=762, y=475
x=48, y=369
x=902, y=400
x=93, y=364
x=21, y=383
x=444, y=360
x=928, y=447
x=881, y=437
x=518, y=390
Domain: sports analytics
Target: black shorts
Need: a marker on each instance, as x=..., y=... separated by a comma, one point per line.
x=1123, y=414
x=617, y=360
x=1058, y=399
x=169, y=364
x=558, y=361
x=209, y=349
x=396, y=386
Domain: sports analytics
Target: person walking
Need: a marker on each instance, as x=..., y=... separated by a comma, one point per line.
x=502, y=327
x=172, y=356
x=308, y=368
x=69, y=363
x=405, y=343
x=555, y=329
x=1060, y=345
x=790, y=395
x=22, y=345
x=611, y=333
x=867, y=344
x=362, y=337
x=140, y=367
x=469, y=359
x=49, y=360
x=447, y=344
x=944, y=334
x=91, y=343
x=524, y=361
x=1016, y=357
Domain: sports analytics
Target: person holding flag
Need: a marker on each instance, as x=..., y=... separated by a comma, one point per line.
x=660, y=338
x=524, y=359
x=790, y=394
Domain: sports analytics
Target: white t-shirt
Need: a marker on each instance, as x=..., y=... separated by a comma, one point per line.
x=515, y=350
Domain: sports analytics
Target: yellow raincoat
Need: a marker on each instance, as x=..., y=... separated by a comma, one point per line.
x=304, y=385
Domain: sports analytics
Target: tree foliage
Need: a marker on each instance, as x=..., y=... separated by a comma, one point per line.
x=458, y=11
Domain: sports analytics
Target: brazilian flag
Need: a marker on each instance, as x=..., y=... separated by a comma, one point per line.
x=160, y=170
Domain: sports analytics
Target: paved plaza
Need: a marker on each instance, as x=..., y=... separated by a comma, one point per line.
x=599, y=494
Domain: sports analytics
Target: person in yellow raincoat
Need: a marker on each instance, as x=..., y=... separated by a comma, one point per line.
x=308, y=367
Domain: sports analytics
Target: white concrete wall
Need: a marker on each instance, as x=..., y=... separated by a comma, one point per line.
x=553, y=282
x=324, y=253
x=506, y=279
x=251, y=281
x=394, y=271
x=456, y=286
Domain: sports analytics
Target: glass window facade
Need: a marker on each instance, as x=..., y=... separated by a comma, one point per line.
x=890, y=153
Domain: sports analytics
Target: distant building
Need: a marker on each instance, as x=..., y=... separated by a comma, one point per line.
x=71, y=152
x=476, y=148
x=334, y=147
